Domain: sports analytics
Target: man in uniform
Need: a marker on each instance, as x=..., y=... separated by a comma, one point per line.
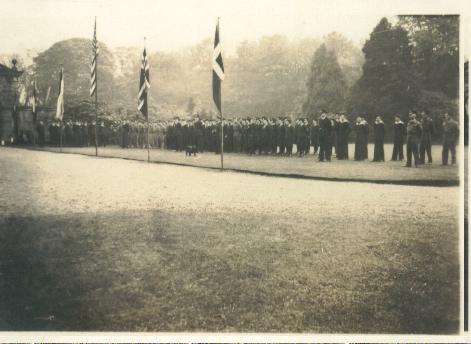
x=414, y=132
x=450, y=138
x=325, y=128
x=399, y=133
x=426, y=138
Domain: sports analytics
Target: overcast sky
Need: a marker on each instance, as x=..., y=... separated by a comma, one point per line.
x=173, y=24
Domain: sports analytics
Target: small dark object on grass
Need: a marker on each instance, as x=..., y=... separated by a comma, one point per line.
x=191, y=150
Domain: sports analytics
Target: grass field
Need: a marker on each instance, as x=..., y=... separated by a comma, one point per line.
x=110, y=244
x=389, y=171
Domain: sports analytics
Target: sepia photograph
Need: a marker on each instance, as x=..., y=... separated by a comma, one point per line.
x=265, y=166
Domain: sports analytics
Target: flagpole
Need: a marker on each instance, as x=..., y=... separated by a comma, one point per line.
x=222, y=138
x=147, y=116
x=96, y=95
x=60, y=136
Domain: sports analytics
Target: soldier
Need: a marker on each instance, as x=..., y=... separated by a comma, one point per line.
x=298, y=137
x=335, y=132
x=361, y=142
x=281, y=131
x=399, y=133
x=325, y=129
x=414, y=132
x=426, y=138
x=315, y=135
x=342, y=138
x=40, y=130
x=289, y=137
x=450, y=138
x=379, y=133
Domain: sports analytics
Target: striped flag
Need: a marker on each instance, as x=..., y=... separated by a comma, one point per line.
x=218, y=69
x=60, y=97
x=93, y=72
x=144, y=85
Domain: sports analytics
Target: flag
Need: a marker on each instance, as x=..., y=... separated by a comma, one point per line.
x=144, y=85
x=93, y=72
x=35, y=99
x=60, y=96
x=218, y=69
x=47, y=95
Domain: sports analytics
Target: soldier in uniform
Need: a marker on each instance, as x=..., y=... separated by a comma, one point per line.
x=426, y=138
x=399, y=133
x=414, y=132
x=450, y=138
x=379, y=133
x=361, y=142
x=315, y=135
x=325, y=145
x=289, y=137
x=281, y=129
x=342, y=138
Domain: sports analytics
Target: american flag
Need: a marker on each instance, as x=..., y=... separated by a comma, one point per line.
x=94, y=63
x=144, y=85
x=60, y=96
x=218, y=69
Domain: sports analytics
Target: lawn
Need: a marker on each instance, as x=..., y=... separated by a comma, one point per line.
x=110, y=244
x=387, y=172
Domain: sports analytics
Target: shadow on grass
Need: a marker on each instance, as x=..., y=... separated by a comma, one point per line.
x=156, y=271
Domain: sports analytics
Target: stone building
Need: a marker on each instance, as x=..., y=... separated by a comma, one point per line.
x=9, y=109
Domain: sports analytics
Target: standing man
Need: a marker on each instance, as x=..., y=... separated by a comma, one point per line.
x=342, y=138
x=325, y=129
x=451, y=133
x=379, y=132
x=399, y=133
x=414, y=132
x=426, y=138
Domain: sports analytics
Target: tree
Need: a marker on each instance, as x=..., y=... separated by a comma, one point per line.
x=435, y=41
x=387, y=85
x=75, y=56
x=326, y=86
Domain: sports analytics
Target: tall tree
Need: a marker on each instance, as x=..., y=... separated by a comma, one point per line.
x=326, y=86
x=387, y=85
x=435, y=51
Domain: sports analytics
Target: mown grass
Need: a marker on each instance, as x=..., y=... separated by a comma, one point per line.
x=178, y=271
x=306, y=166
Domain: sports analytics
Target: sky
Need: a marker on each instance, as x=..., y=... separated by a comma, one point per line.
x=175, y=24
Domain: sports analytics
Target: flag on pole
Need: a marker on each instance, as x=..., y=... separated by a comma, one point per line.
x=218, y=69
x=35, y=99
x=60, y=97
x=48, y=93
x=144, y=85
x=94, y=63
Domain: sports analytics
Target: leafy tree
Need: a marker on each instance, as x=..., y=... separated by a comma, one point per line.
x=387, y=85
x=75, y=56
x=326, y=86
x=435, y=41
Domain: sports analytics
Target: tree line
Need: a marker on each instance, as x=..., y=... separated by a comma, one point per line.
x=411, y=64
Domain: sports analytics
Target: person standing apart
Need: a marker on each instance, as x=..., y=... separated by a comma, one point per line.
x=379, y=132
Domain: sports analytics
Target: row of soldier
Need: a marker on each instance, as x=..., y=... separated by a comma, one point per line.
x=281, y=136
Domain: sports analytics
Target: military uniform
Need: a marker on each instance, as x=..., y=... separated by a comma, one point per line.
x=450, y=138
x=414, y=131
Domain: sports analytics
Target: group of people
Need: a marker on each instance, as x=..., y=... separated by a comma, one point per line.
x=327, y=135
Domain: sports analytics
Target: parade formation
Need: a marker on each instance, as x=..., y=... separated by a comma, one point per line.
x=327, y=136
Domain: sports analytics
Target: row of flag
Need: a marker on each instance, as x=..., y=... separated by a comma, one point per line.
x=144, y=81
